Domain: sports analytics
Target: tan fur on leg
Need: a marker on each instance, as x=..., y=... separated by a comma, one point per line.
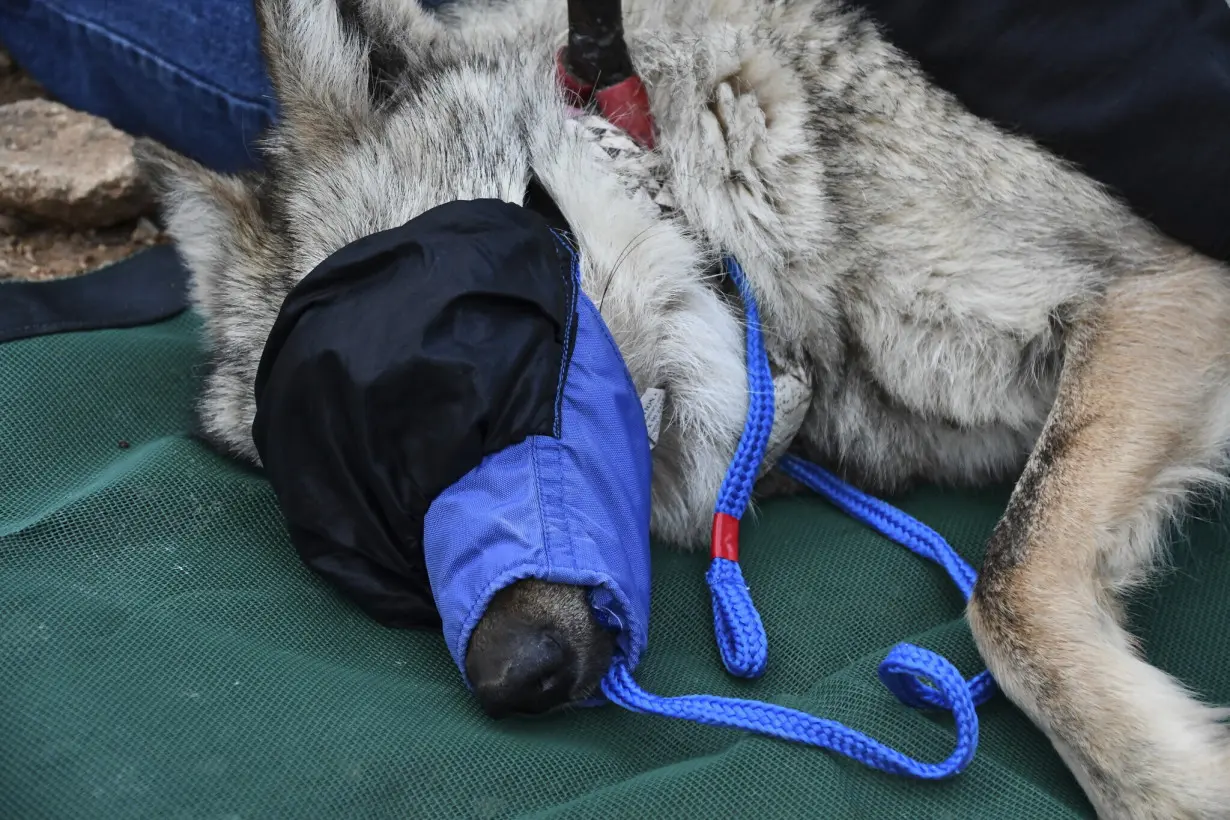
x=1141, y=417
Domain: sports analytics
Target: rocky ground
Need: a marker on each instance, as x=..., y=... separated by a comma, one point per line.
x=70, y=197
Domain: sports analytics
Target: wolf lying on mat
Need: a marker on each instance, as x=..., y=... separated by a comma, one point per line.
x=954, y=304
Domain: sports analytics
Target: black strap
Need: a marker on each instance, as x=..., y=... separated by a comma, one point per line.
x=148, y=287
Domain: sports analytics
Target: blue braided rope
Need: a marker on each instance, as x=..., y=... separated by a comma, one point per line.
x=737, y=626
x=736, y=489
x=904, y=662
x=740, y=634
x=912, y=534
x=918, y=677
x=884, y=518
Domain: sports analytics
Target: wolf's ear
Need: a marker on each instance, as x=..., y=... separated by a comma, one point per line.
x=335, y=64
x=236, y=260
x=216, y=222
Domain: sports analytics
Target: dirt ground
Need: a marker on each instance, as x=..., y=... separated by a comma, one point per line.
x=33, y=252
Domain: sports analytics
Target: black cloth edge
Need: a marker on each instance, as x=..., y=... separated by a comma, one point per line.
x=147, y=287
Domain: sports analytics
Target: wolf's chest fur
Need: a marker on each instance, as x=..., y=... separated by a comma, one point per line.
x=905, y=381
x=920, y=263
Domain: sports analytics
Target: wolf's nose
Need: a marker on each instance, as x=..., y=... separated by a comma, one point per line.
x=527, y=672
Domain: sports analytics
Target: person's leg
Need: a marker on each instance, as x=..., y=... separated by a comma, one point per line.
x=188, y=73
x=1136, y=92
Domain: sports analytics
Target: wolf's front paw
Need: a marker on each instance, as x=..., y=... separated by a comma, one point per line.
x=791, y=400
x=734, y=133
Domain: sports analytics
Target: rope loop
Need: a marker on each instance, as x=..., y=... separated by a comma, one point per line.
x=918, y=677
x=784, y=723
x=740, y=633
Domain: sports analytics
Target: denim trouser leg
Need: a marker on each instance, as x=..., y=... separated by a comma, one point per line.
x=185, y=72
x=188, y=73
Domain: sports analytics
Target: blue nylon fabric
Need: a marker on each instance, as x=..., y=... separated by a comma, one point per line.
x=571, y=509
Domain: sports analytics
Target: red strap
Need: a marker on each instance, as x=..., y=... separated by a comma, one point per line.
x=725, y=543
x=625, y=104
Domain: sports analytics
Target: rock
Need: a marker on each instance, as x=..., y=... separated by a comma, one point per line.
x=6, y=62
x=64, y=166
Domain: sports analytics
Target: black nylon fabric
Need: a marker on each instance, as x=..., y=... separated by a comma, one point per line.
x=150, y=287
x=1136, y=92
x=392, y=370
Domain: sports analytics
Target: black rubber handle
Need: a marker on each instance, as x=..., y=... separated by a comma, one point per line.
x=597, y=54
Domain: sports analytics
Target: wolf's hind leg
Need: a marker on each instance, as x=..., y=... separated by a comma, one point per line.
x=1142, y=418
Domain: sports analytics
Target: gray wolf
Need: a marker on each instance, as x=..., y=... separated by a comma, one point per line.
x=955, y=304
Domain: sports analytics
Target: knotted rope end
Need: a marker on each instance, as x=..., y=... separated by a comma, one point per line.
x=740, y=634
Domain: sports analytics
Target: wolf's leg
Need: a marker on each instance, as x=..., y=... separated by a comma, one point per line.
x=733, y=114
x=1142, y=418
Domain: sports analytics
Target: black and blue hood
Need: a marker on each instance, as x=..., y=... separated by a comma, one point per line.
x=441, y=411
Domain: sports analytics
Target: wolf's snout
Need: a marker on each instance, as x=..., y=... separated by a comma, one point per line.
x=537, y=647
x=528, y=670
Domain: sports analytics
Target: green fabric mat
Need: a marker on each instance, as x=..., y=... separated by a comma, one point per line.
x=164, y=655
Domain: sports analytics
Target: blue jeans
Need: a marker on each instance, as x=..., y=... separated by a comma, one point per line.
x=185, y=72
x=188, y=73
x=1137, y=92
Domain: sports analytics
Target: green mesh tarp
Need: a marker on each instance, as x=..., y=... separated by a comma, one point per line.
x=163, y=654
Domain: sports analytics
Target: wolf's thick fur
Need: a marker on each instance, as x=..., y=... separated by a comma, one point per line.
x=963, y=304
